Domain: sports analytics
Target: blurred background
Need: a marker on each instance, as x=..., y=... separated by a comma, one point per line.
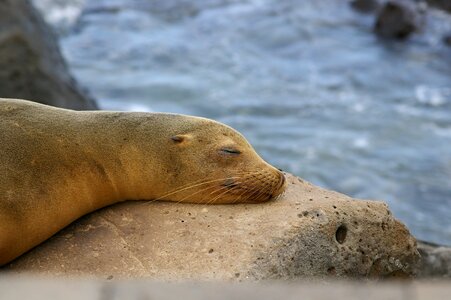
x=310, y=83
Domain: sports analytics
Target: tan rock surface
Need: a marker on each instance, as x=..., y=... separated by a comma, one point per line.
x=307, y=232
x=31, y=65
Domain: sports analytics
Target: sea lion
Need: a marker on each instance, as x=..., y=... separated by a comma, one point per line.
x=57, y=165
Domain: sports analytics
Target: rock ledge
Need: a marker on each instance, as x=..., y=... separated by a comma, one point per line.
x=308, y=232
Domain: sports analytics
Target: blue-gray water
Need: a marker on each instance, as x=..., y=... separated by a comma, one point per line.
x=307, y=82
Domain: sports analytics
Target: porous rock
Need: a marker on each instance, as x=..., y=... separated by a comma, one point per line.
x=398, y=19
x=307, y=232
x=31, y=65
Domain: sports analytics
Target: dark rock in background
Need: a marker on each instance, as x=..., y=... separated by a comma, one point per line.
x=447, y=40
x=398, y=19
x=31, y=65
x=435, y=261
x=442, y=4
x=366, y=6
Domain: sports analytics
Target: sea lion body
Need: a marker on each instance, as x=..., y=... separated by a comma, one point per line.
x=57, y=165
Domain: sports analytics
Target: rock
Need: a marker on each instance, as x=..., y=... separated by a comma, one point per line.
x=435, y=260
x=31, y=65
x=398, y=19
x=307, y=232
x=447, y=39
x=441, y=4
x=365, y=6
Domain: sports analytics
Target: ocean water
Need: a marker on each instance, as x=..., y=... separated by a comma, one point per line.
x=307, y=82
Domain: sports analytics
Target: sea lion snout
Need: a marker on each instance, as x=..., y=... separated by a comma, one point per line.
x=263, y=185
x=281, y=185
x=277, y=184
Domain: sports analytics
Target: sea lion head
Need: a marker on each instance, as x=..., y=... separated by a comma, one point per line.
x=213, y=163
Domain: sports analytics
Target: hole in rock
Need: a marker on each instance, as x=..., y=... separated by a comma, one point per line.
x=340, y=234
x=331, y=271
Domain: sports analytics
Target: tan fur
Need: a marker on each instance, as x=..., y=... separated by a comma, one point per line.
x=57, y=165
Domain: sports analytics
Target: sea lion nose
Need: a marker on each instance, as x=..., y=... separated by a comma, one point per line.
x=280, y=185
x=281, y=179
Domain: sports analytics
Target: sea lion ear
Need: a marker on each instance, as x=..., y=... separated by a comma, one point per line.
x=180, y=138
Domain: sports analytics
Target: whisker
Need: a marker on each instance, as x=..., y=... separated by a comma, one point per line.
x=217, y=197
x=185, y=187
x=228, y=189
x=256, y=191
x=202, y=190
x=213, y=199
x=271, y=190
x=253, y=192
x=218, y=190
x=244, y=192
x=195, y=193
